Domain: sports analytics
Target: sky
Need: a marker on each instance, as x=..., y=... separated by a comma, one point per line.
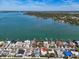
x=39, y=5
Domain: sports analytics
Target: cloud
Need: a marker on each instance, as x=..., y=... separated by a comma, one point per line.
x=68, y=1
x=39, y=5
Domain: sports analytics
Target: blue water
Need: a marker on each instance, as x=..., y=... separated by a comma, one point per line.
x=15, y=25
